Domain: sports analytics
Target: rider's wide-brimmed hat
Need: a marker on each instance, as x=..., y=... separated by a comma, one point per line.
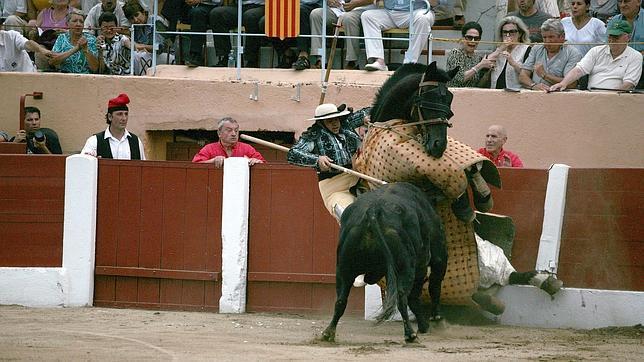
x=329, y=110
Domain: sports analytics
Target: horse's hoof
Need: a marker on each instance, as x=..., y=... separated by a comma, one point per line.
x=551, y=285
x=423, y=328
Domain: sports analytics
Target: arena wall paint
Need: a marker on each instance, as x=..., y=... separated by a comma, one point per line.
x=580, y=129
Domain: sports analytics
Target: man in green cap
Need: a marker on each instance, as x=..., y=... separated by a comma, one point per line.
x=614, y=66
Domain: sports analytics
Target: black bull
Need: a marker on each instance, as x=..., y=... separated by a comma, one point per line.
x=392, y=231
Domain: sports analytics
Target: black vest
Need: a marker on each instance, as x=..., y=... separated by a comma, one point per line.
x=103, y=146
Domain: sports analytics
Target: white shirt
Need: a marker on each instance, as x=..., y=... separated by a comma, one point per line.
x=91, y=21
x=13, y=54
x=120, y=148
x=593, y=32
x=608, y=73
x=11, y=7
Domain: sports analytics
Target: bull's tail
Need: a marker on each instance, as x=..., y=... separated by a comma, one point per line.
x=390, y=302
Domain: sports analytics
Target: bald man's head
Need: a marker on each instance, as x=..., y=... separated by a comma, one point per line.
x=495, y=138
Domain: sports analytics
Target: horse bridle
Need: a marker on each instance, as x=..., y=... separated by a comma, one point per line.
x=420, y=103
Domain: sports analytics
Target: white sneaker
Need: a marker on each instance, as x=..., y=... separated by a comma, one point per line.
x=375, y=66
x=359, y=281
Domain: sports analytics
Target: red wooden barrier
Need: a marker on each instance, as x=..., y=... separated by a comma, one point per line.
x=32, y=195
x=292, y=245
x=522, y=198
x=158, y=239
x=603, y=234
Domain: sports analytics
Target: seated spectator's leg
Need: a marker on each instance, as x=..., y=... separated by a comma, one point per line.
x=251, y=20
x=418, y=40
x=16, y=23
x=304, y=43
x=352, y=27
x=316, y=28
x=373, y=23
x=198, y=23
x=221, y=20
x=172, y=10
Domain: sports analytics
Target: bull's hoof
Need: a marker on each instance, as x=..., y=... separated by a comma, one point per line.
x=551, y=285
x=489, y=303
x=328, y=336
x=412, y=338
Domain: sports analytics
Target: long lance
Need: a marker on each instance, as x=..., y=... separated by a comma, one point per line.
x=329, y=64
x=334, y=166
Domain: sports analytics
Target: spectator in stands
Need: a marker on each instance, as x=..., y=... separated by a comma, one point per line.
x=632, y=12
x=113, y=6
x=614, y=66
x=331, y=139
x=87, y=5
x=582, y=28
x=53, y=17
x=76, y=50
x=16, y=16
x=199, y=12
x=531, y=17
x=51, y=21
x=547, y=64
x=114, y=52
x=510, y=55
x=4, y=136
x=550, y=7
x=303, y=44
x=116, y=141
x=224, y=18
x=143, y=37
x=351, y=23
x=13, y=52
x=469, y=63
x=444, y=13
x=604, y=9
x=396, y=15
x=39, y=140
x=227, y=146
x=495, y=138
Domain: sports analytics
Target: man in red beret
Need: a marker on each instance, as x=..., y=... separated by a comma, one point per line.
x=116, y=141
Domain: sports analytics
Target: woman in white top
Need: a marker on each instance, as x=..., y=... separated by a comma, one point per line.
x=581, y=28
x=510, y=55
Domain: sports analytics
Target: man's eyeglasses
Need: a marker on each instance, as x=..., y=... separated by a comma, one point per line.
x=472, y=38
x=509, y=32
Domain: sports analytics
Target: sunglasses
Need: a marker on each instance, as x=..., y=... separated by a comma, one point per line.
x=472, y=38
x=509, y=32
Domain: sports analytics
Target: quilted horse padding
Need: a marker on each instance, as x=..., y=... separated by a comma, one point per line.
x=391, y=152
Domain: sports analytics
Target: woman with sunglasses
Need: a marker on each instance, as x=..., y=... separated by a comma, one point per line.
x=511, y=54
x=470, y=64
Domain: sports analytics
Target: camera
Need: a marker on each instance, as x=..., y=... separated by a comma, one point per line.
x=39, y=136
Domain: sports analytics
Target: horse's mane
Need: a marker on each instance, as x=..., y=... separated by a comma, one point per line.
x=394, y=81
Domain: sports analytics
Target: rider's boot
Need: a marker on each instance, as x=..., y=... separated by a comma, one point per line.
x=546, y=282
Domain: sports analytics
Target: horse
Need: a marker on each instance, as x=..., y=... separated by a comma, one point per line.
x=417, y=93
x=394, y=232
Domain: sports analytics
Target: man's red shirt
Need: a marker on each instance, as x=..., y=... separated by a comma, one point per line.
x=215, y=149
x=504, y=159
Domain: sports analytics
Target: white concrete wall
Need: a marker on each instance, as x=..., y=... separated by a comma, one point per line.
x=72, y=284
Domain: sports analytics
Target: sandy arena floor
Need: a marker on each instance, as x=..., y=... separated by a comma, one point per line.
x=119, y=334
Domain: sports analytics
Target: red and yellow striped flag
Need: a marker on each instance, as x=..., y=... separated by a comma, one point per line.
x=282, y=18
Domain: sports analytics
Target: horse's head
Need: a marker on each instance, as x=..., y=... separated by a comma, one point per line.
x=432, y=108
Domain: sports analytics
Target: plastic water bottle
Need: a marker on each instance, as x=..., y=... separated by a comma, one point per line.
x=210, y=40
x=231, y=59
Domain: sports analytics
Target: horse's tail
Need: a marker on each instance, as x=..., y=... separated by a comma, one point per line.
x=390, y=303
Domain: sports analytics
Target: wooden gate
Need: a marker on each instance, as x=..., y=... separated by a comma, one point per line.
x=158, y=242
